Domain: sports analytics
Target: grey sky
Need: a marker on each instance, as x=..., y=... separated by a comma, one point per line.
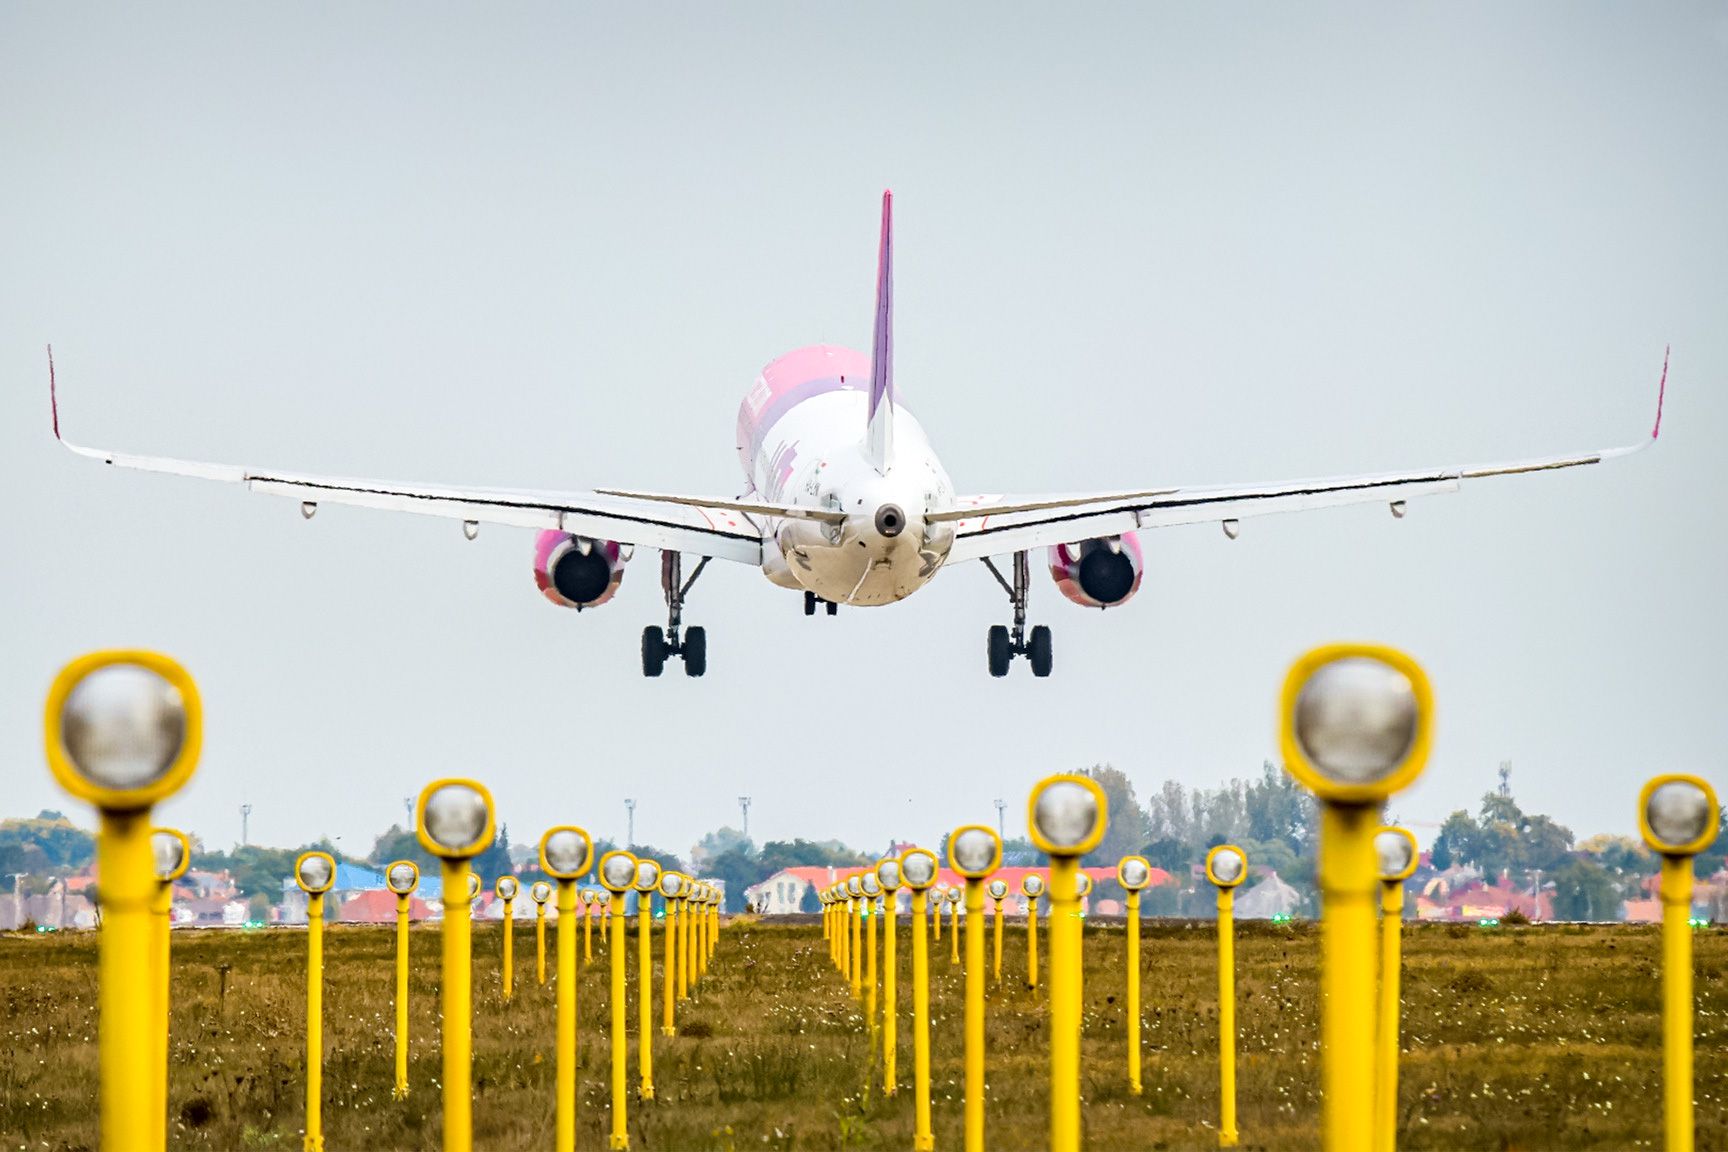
x=544, y=248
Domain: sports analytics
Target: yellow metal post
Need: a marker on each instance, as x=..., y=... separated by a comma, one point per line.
x=890, y=1039
x=620, y=1036
x=161, y=907
x=1032, y=943
x=1065, y=1000
x=936, y=918
x=1347, y=880
x=565, y=1078
x=855, y=913
x=1676, y=892
x=123, y=966
x=669, y=978
x=645, y=991
x=457, y=1037
x=701, y=940
x=1386, y=1024
x=1134, y=1084
x=402, y=907
x=509, y=958
x=684, y=968
x=974, y=1014
x=314, y=1022
x=540, y=940
x=923, y=1140
x=870, y=963
x=996, y=963
x=714, y=928
x=1226, y=1017
x=587, y=929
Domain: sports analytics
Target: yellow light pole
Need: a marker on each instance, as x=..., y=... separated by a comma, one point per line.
x=1067, y=816
x=855, y=914
x=1678, y=817
x=402, y=877
x=172, y=854
x=1226, y=867
x=974, y=851
x=938, y=901
x=714, y=921
x=704, y=926
x=1355, y=726
x=872, y=889
x=918, y=871
x=647, y=880
x=1032, y=887
x=1133, y=873
x=588, y=898
x=506, y=889
x=686, y=970
x=998, y=890
x=952, y=896
x=454, y=823
x=671, y=884
x=540, y=892
x=315, y=872
x=830, y=920
x=1396, y=855
x=888, y=879
x=566, y=854
x=123, y=730
x=618, y=875
x=843, y=920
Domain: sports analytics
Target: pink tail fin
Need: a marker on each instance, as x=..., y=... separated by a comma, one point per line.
x=880, y=440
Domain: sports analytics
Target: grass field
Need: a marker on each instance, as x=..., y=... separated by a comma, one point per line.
x=1537, y=1038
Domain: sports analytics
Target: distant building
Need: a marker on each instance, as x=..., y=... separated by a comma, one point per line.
x=1271, y=897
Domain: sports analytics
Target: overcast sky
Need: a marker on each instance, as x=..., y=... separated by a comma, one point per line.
x=537, y=247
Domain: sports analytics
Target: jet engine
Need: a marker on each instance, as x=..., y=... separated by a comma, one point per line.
x=577, y=572
x=1098, y=573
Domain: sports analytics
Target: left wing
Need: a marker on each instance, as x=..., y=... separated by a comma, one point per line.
x=990, y=526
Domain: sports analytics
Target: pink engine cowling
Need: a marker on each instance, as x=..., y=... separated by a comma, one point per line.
x=576, y=572
x=1098, y=573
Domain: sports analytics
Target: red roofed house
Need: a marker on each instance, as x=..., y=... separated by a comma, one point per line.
x=379, y=907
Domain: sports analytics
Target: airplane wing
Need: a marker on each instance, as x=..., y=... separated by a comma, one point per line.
x=719, y=528
x=993, y=525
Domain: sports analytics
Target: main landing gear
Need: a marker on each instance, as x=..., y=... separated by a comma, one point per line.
x=811, y=600
x=1003, y=643
x=657, y=645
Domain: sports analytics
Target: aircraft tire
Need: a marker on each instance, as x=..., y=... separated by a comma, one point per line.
x=653, y=650
x=809, y=603
x=1038, y=651
x=998, y=650
x=695, y=650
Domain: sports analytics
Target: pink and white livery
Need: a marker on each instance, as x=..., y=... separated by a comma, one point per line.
x=847, y=503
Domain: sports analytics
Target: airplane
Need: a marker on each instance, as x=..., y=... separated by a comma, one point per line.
x=846, y=502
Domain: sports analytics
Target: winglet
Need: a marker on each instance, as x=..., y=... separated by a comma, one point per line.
x=53, y=395
x=1661, y=389
x=880, y=441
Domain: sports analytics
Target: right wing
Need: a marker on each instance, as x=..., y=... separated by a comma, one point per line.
x=719, y=528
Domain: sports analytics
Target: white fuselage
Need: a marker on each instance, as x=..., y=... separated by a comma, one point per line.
x=814, y=457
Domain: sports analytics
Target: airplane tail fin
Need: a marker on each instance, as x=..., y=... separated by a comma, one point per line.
x=879, y=442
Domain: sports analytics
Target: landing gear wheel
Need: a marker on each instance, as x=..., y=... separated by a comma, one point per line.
x=695, y=650
x=999, y=649
x=1038, y=651
x=653, y=650
x=833, y=608
x=809, y=603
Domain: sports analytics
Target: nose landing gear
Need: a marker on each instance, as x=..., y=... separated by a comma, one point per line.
x=1003, y=643
x=692, y=645
x=811, y=600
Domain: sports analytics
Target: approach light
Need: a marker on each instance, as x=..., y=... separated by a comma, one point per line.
x=974, y=851
x=618, y=874
x=1067, y=815
x=172, y=853
x=1032, y=885
x=670, y=885
x=872, y=887
x=506, y=888
x=455, y=819
x=854, y=886
x=918, y=868
x=1395, y=850
x=1357, y=721
x=618, y=871
x=1226, y=866
x=566, y=852
x=888, y=875
x=647, y=876
x=315, y=872
x=998, y=889
x=402, y=877
x=1678, y=815
x=1082, y=885
x=123, y=728
x=1133, y=873
x=540, y=892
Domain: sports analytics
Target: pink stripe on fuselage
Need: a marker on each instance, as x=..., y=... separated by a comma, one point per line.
x=791, y=380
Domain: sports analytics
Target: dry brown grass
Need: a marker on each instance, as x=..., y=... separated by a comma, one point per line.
x=1533, y=1038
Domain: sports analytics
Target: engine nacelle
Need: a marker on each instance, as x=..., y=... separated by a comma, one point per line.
x=576, y=572
x=1098, y=573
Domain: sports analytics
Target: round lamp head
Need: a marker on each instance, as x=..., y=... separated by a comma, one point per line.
x=647, y=875
x=1355, y=722
x=1678, y=815
x=540, y=891
x=1082, y=884
x=171, y=853
x=123, y=728
x=455, y=819
x=671, y=884
x=315, y=872
x=872, y=886
x=566, y=852
x=1067, y=815
x=854, y=886
x=974, y=851
x=888, y=875
x=507, y=887
x=1032, y=885
x=618, y=871
x=474, y=886
x=998, y=889
x=1226, y=866
x=1133, y=873
x=402, y=877
x=918, y=868
x=587, y=896
x=1395, y=853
